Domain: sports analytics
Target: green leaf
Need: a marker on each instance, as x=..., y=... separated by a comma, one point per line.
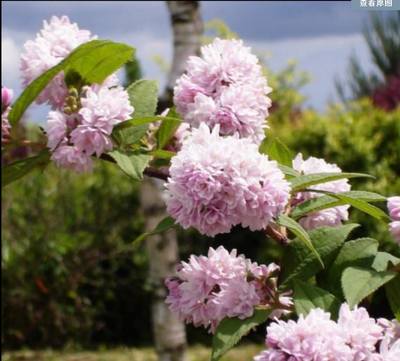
x=299, y=262
x=392, y=289
x=357, y=253
x=143, y=97
x=324, y=202
x=361, y=205
x=163, y=226
x=132, y=164
x=162, y=154
x=277, y=150
x=300, y=232
x=14, y=171
x=382, y=261
x=288, y=172
x=358, y=283
x=231, y=330
x=304, y=181
x=94, y=61
x=167, y=129
x=307, y=297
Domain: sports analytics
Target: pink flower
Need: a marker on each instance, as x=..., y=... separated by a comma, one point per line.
x=225, y=86
x=56, y=41
x=91, y=139
x=328, y=217
x=315, y=337
x=56, y=129
x=6, y=97
x=104, y=107
x=394, y=212
x=70, y=157
x=218, y=182
x=208, y=289
x=361, y=332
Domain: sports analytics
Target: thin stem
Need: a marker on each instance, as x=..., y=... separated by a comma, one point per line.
x=276, y=235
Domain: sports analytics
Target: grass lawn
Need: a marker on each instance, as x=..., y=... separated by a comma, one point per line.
x=196, y=353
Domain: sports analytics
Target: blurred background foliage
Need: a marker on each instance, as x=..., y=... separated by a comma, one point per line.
x=69, y=273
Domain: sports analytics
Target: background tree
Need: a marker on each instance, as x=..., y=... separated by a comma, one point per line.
x=382, y=36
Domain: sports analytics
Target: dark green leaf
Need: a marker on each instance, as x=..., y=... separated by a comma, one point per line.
x=132, y=164
x=304, y=181
x=307, y=297
x=357, y=253
x=231, y=330
x=277, y=150
x=324, y=202
x=358, y=283
x=162, y=154
x=20, y=168
x=300, y=232
x=299, y=262
x=94, y=61
x=392, y=289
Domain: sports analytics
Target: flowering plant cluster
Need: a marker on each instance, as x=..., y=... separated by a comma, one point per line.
x=222, y=169
x=208, y=289
x=355, y=336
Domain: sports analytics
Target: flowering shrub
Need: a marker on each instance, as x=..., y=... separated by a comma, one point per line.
x=222, y=169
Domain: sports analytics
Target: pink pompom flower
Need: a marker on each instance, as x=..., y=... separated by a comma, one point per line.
x=56, y=40
x=225, y=86
x=223, y=284
x=6, y=97
x=218, y=182
x=354, y=337
x=394, y=212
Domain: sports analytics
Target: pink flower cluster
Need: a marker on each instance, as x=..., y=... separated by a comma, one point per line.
x=6, y=97
x=225, y=86
x=75, y=137
x=223, y=284
x=327, y=217
x=218, y=182
x=354, y=337
x=55, y=41
x=82, y=120
x=394, y=211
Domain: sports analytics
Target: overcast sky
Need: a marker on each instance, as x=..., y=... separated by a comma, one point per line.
x=320, y=36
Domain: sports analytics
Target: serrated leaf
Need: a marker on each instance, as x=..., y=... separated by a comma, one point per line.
x=307, y=297
x=300, y=232
x=392, y=289
x=357, y=253
x=94, y=61
x=167, y=129
x=383, y=260
x=358, y=283
x=304, y=181
x=143, y=95
x=16, y=170
x=300, y=263
x=231, y=330
x=132, y=164
x=277, y=150
x=324, y=202
x=164, y=225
